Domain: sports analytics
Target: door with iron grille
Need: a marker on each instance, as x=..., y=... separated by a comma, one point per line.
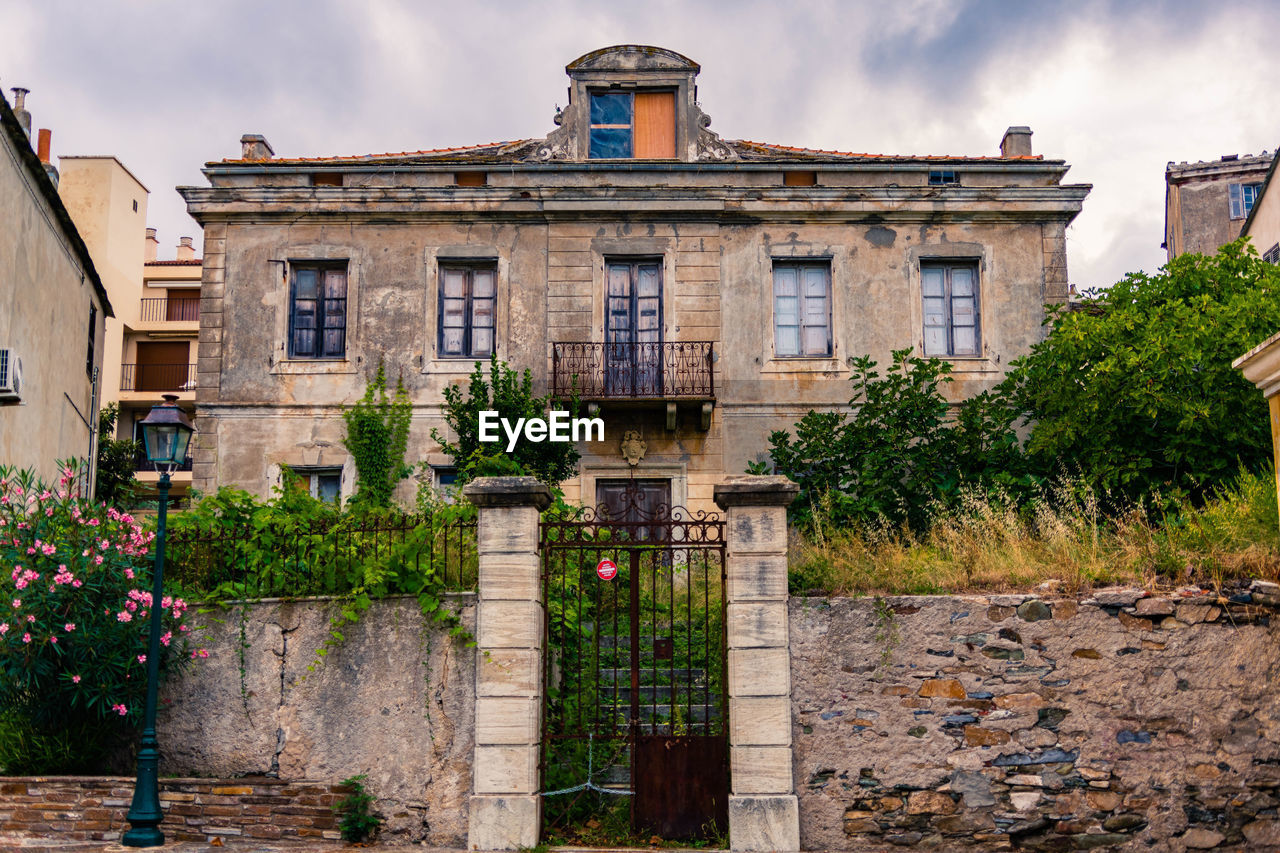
x=635, y=731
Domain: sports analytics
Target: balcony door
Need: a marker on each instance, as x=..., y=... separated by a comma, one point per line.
x=162, y=366
x=633, y=329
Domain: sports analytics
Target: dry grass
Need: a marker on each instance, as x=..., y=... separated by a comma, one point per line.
x=988, y=545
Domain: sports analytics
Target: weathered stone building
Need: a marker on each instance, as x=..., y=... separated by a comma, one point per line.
x=1207, y=203
x=53, y=307
x=701, y=292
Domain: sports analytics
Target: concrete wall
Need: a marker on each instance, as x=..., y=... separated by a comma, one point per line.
x=395, y=701
x=1198, y=206
x=45, y=299
x=984, y=722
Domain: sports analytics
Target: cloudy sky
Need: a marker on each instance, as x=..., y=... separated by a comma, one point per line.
x=1116, y=89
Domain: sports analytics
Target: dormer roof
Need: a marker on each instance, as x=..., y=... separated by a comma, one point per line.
x=632, y=57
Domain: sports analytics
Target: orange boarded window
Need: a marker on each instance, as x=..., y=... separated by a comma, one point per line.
x=655, y=125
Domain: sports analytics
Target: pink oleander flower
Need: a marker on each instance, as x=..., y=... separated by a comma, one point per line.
x=124, y=616
x=128, y=573
x=26, y=638
x=120, y=709
x=17, y=602
x=4, y=628
x=69, y=627
x=142, y=658
x=31, y=617
x=166, y=637
x=75, y=679
x=53, y=639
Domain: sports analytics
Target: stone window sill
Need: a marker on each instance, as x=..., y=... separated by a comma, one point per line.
x=322, y=366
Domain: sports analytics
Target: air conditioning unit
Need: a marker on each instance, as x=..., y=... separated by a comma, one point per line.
x=10, y=376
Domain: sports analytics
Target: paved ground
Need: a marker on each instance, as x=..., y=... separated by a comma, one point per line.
x=241, y=845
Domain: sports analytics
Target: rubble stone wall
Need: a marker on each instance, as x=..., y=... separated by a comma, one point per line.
x=1120, y=721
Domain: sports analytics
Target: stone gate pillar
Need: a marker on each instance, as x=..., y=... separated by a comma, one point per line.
x=763, y=810
x=505, y=808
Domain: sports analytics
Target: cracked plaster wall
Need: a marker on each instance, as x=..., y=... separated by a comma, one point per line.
x=395, y=701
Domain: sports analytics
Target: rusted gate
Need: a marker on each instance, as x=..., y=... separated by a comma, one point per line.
x=636, y=719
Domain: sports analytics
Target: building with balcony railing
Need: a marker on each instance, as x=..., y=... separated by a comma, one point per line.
x=150, y=344
x=697, y=292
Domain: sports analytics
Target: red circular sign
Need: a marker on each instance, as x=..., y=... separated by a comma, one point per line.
x=606, y=570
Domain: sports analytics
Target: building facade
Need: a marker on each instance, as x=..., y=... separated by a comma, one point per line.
x=53, y=310
x=696, y=292
x=1262, y=225
x=150, y=344
x=1206, y=203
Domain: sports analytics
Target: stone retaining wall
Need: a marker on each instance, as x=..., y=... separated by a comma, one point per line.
x=1010, y=722
x=395, y=700
x=93, y=808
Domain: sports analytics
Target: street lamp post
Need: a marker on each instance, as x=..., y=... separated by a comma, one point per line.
x=166, y=432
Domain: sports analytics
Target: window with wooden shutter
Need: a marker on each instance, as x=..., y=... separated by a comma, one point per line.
x=951, y=312
x=318, y=311
x=802, y=310
x=467, y=310
x=625, y=125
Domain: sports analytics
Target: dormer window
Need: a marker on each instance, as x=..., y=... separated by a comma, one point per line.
x=633, y=125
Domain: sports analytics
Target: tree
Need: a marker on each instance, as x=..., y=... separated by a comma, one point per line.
x=1135, y=391
x=891, y=457
x=114, y=484
x=510, y=394
x=377, y=436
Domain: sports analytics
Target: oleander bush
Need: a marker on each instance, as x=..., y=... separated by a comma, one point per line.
x=74, y=625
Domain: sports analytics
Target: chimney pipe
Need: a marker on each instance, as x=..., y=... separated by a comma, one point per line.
x=20, y=108
x=186, y=252
x=151, y=245
x=42, y=147
x=1016, y=142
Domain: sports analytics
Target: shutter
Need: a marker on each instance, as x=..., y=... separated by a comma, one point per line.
x=655, y=125
x=483, y=297
x=303, y=325
x=935, y=311
x=335, y=313
x=786, y=310
x=453, y=311
x=1237, y=203
x=817, y=312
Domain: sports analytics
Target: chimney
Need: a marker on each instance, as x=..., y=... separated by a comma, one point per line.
x=20, y=108
x=152, y=244
x=42, y=150
x=1016, y=142
x=186, y=252
x=254, y=146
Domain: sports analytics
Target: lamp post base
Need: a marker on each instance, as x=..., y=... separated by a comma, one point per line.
x=143, y=836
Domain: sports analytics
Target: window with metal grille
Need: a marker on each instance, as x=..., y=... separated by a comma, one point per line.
x=639, y=125
x=943, y=178
x=467, y=305
x=802, y=309
x=951, y=321
x=318, y=310
x=1242, y=197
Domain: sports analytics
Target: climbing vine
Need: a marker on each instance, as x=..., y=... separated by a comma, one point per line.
x=378, y=436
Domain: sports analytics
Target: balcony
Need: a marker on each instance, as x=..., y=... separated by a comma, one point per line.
x=158, y=377
x=143, y=464
x=159, y=311
x=668, y=371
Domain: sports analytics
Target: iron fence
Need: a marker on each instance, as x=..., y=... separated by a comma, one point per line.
x=392, y=554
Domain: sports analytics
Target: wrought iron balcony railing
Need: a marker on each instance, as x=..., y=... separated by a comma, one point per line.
x=160, y=310
x=669, y=370
x=158, y=377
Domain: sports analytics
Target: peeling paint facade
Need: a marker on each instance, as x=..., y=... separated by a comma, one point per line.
x=1206, y=203
x=662, y=286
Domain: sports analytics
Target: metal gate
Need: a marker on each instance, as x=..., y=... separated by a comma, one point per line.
x=635, y=729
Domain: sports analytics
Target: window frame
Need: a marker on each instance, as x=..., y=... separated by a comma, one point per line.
x=1238, y=205
x=631, y=127
x=801, y=264
x=321, y=313
x=948, y=266
x=93, y=340
x=312, y=474
x=470, y=267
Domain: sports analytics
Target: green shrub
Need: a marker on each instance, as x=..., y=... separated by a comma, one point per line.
x=74, y=625
x=359, y=821
x=377, y=436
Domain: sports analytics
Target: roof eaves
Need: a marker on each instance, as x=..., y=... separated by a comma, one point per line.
x=365, y=158
x=1257, y=200
x=18, y=138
